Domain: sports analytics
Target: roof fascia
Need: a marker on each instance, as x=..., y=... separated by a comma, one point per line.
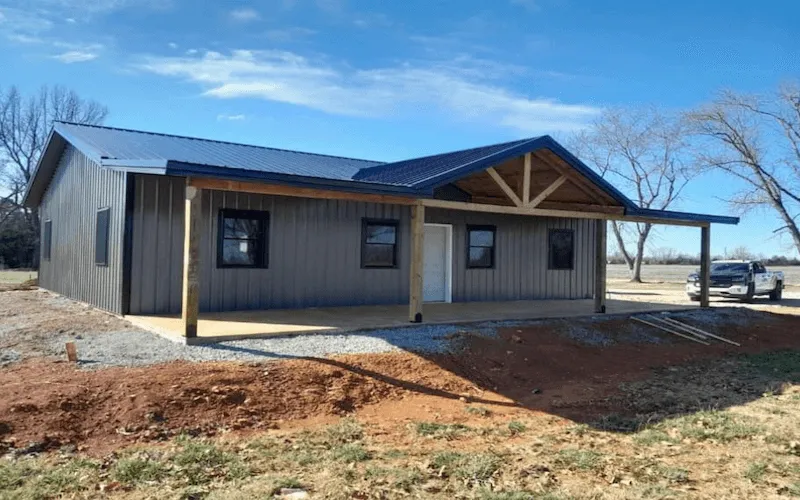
x=193, y=169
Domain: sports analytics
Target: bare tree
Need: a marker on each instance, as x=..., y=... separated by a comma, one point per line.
x=25, y=123
x=644, y=151
x=756, y=139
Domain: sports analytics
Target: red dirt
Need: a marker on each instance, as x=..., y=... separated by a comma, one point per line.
x=55, y=403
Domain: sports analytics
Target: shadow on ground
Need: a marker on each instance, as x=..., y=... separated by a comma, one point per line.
x=611, y=373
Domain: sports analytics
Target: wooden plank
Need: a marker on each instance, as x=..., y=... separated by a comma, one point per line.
x=640, y=320
x=416, y=265
x=281, y=190
x=547, y=192
x=588, y=188
x=72, y=352
x=705, y=265
x=540, y=212
x=600, y=261
x=581, y=207
x=526, y=180
x=191, y=260
x=505, y=187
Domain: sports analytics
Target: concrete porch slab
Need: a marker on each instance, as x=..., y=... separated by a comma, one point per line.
x=239, y=325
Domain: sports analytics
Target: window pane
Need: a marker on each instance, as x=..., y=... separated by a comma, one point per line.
x=239, y=252
x=242, y=228
x=481, y=238
x=377, y=255
x=381, y=234
x=101, y=237
x=46, y=239
x=561, y=249
x=480, y=257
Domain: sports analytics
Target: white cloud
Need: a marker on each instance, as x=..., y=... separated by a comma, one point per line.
x=458, y=88
x=245, y=15
x=230, y=118
x=191, y=52
x=172, y=45
x=75, y=56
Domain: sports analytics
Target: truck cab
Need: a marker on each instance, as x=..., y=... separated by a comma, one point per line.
x=740, y=279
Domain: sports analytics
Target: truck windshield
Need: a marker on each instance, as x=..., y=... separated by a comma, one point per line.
x=729, y=268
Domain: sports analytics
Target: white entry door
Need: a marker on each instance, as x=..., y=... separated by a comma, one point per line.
x=437, y=263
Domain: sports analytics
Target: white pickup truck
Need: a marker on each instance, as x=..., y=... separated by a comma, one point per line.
x=740, y=279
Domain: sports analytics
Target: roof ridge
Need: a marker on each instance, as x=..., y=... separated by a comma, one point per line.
x=391, y=163
x=221, y=142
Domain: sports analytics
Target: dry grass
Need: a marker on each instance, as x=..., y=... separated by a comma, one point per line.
x=745, y=450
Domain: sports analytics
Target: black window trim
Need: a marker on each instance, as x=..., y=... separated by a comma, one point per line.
x=262, y=261
x=482, y=227
x=380, y=222
x=48, y=248
x=97, y=262
x=550, y=234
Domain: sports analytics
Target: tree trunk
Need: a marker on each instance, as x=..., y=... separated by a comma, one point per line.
x=621, y=244
x=636, y=275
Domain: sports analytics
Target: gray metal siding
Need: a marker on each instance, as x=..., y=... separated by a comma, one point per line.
x=78, y=188
x=521, y=258
x=315, y=254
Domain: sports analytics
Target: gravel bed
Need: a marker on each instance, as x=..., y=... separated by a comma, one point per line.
x=136, y=347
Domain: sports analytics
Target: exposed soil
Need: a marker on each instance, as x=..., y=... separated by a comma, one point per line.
x=532, y=369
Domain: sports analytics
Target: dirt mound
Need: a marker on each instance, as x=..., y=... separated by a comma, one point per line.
x=549, y=367
x=56, y=403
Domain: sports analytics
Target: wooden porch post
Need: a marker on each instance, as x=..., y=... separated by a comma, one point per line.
x=600, y=261
x=191, y=260
x=416, y=255
x=705, y=264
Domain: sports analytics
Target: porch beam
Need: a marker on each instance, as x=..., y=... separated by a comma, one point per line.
x=705, y=265
x=547, y=192
x=504, y=186
x=299, y=192
x=526, y=180
x=190, y=307
x=577, y=180
x=600, y=262
x=541, y=212
x=416, y=262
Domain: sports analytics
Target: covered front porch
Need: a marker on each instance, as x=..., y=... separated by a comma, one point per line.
x=239, y=325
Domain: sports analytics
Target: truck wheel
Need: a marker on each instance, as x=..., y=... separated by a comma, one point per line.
x=751, y=292
x=776, y=294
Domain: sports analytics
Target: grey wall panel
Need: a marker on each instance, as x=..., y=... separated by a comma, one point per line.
x=314, y=257
x=315, y=254
x=521, y=260
x=78, y=188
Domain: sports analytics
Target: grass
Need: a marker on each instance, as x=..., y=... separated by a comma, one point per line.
x=712, y=425
x=747, y=450
x=439, y=430
x=573, y=458
x=478, y=410
x=15, y=277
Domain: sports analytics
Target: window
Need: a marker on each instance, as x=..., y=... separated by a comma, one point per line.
x=562, y=248
x=480, y=247
x=101, y=236
x=242, y=238
x=47, y=238
x=379, y=243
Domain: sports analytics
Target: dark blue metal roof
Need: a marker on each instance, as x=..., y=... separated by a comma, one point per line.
x=148, y=152
x=130, y=148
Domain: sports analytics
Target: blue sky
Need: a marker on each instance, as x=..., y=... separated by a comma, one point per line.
x=391, y=80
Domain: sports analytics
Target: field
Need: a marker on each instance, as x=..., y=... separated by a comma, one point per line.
x=14, y=277
x=591, y=408
x=672, y=275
